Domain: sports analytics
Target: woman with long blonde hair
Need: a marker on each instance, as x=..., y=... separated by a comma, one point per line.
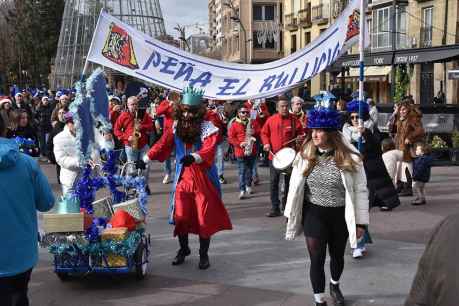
x=327, y=199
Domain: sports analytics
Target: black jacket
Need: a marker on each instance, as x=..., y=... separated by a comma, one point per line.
x=29, y=133
x=43, y=118
x=421, y=168
x=380, y=186
x=59, y=127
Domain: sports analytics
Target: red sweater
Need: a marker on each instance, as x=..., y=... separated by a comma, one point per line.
x=278, y=130
x=236, y=136
x=124, y=127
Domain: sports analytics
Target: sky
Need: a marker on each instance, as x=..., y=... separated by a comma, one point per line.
x=184, y=12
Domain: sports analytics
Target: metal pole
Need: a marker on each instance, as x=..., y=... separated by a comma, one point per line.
x=361, y=65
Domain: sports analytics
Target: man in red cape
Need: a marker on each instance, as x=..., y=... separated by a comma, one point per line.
x=196, y=206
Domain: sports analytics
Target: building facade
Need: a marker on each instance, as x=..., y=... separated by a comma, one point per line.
x=415, y=40
x=251, y=30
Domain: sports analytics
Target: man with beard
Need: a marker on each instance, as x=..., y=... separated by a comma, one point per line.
x=196, y=206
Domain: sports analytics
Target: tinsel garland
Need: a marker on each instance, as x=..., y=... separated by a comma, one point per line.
x=110, y=168
x=68, y=245
x=87, y=187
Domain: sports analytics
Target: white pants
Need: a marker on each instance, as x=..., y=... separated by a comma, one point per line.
x=401, y=171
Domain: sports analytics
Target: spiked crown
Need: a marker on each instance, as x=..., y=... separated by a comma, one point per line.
x=191, y=96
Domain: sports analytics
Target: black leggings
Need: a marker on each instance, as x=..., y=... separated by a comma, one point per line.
x=325, y=227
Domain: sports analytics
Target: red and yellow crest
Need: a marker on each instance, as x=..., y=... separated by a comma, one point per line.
x=353, y=26
x=118, y=48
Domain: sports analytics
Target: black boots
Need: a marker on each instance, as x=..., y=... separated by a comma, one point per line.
x=321, y=304
x=183, y=252
x=336, y=295
x=203, y=253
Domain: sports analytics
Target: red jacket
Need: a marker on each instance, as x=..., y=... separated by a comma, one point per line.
x=278, y=130
x=303, y=117
x=113, y=115
x=236, y=136
x=124, y=127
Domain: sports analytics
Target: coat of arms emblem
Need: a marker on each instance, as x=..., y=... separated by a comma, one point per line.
x=118, y=48
x=353, y=26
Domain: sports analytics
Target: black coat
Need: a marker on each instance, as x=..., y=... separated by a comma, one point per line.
x=380, y=186
x=43, y=118
x=59, y=127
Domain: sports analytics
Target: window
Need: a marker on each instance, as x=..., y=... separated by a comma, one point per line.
x=401, y=37
x=307, y=38
x=263, y=12
x=426, y=30
x=381, y=26
x=266, y=45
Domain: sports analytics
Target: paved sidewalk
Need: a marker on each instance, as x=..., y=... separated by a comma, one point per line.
x=253, y=264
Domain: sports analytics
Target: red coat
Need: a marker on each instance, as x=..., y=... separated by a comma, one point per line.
x=124, y=127
x=236, y=136
x=303, y=117
x=278, y=130
x=198, y=205
x=113, y=115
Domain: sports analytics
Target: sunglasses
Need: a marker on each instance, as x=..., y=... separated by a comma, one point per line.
x=243, y=112
x=354, y=117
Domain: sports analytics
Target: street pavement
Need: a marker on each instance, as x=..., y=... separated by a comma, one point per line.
x=253, y=264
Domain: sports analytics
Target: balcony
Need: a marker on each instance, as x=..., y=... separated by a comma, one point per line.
x=291, y=22
x=304, y=18
x=426, y=37
x=320, y=14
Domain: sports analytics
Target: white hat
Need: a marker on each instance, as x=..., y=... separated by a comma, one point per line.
x=5, y=100
x=114, y=98
x=18, y=94
x=44, y=97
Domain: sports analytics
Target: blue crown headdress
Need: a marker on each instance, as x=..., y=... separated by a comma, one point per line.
x=324, y=114
x=353, y=107
x=191, y=96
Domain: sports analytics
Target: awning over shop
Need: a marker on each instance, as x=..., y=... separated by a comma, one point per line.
x=407, y=56
x=372, y=73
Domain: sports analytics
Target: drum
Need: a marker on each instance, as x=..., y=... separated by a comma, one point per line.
x=283, y=160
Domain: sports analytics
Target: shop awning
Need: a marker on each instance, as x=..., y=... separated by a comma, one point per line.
x=372, y=73
x=404, y=56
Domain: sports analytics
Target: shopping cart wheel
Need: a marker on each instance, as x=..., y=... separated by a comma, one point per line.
x=141, y=261
x=63, y=276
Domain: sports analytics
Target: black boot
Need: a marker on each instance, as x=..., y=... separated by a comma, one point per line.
x=321, y=304
x=183, y=252
x=337, y=296
x=203, y=253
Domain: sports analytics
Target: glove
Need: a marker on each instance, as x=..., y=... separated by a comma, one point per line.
x=140, y=164
x=187, y=160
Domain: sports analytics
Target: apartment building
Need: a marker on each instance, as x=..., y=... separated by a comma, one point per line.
x=215, y=23
x=251, y=30
x=304, y=21
x=420, y=36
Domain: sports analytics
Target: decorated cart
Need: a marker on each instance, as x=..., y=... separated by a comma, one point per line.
x=106, y=235
x=103, y=236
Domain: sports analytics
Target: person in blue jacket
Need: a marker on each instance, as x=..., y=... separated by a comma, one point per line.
x=421, y=171
x=24, y=189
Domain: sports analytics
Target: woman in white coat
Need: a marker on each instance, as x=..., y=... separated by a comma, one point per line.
x=327, y=199
x=67, y=154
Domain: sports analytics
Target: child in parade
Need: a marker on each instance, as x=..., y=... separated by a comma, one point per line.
x=421, y=172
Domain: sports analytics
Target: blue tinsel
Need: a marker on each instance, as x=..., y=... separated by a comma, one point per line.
x=324, y=118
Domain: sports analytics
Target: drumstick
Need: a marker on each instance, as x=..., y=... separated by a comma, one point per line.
x=294, y=139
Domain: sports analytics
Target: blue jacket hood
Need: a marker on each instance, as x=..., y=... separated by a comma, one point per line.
x=9, y=151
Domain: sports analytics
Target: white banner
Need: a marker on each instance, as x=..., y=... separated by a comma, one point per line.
x=121, y=47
